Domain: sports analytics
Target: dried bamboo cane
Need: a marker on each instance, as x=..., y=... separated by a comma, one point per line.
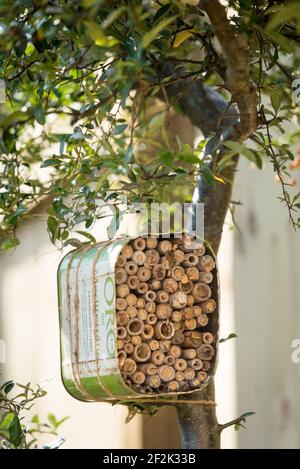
x=206, y=277
x=173, y=386
x=129, y=348
x=155, y=284
x=175, y=351
x=205, y=352
x=190, y=260
x=121, y=304
x=202, y=320
x=131, y=299
x=139, y=377
x=190, y=324
x=206, y=263
x=142, y=314
x=152, y=257
x=148, y=332
x=177, y=273
x=142, y=353
x=154, y=344
x=159, y=272
x=176, y=316
x=180, y=364
x=206, y=365
x=192, y=273
x=186, y=287
x=139, y=257
x=151, y=319
x=188, y=312
x=178, y=300
x=202, y=376
x=136, y=340
x=189, y=353
x=170, y=285
x=144, y=274
x=209, y=306
x=190, y=300
x=162, y=296
x=164, y=330
x=157, y=357
x=151, y=243
x=135, y=327
x=154, y=381
x=197, y=311
x=149, y=369
x=122, y=355
x=163, y=310
x=150, y=295
x=133, y=282
x=120, y=276
x=121, y=261
x=189, y=373
x=127, y=251
x=179, y=376
x=129, y=366
x=131, y=267
x=195, y=363
x=139, y=244
x=131, y=311
x=120, y=344
x=207, y=338
x=142, y=288
x=140, y=304
x=122, y=318
x=166, y=373
x=122, y=290
x=165, y=345
x=150, y=307
x=192, y=339
x=121, y=332
x=169, y=360
x=201, y=291
x=164, y=246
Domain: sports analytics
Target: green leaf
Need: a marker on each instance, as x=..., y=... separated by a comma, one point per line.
x=230, y=336
x=128, y=155
x=39, y=114
x=8, y=387
x=89, y=236
x=10, y=244
x=52, y=224
x=151, y=35
x=97, y=34
x=10, y=428
x=251, y=155
x=50, y=162
x=112, y=17
x=161, y=12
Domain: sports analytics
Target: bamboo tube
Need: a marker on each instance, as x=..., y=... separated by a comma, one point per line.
x=180, y=364
x=154, y=344
x=202, y=320
x=188, y=312
x=165, y=345
x=136, y=340
x=135, y=326
x=166, y=373
x=176, y=316
x=184, y=279
x=121, y=304
x=157, y=357
x=129, y=348
x=159, y=272
x=129, y=366
x=163, y=310
x=152, y=257
x=126, y=339
x=206, y=365
x=209, y=306
x=144, y=274
x=195, y=383
x=121, y=332
x=122, y=290
x=151, y=319
x=150, y=295
x=141, y=353
x=206, y=277
x=149, y=369
x=205, y=352
x=186, y=287
x=170, y=285
x=131, y=311
x=192, y=339
x=133, y=282
x=120, y=276
x=188, y=240
x=140, y=304
x=190, y=300
x=122, y=318
x=207, y=338
x=164, y=330
x=177, y=273
x=121, y=261
x=122, y=357
x=151, y=243
x=200, y=250
x=189, y=373
x=165, y=262
x=178, y=338
x=131, y=267
x=127, y=251
x=169, y=360
x=178, y=300
x=162, y=296
x=173, y=386
x=197, y=311
x=175, y=351
x=148, y=332
x=189, y=353
x=202, y=376
x=131, y=299
x=142, y=314
x=201, y=291
x=120, y=344
x=195, y=363
x=206, y=263
x=178, y=256
x=190, y=324
x=150, y=307
x=179, y=376
x=139, y=377
x=190, y=260
x=192, y=273
x=155, y=284
x=142, y=288
x=154, y=381
x=164, y=246
x=139, y=244
x=139, y=257
x=179, y=325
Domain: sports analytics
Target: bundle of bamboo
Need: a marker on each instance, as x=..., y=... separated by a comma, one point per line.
x=164, y=302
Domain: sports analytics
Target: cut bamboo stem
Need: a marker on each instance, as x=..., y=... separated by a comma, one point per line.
x=164, y=330
x=120, y=276
x=201, y=291
x=154, y=381
x=152, y=257
x=151, y=319
x=159, y=272
x=121, y=332
x=150, y=295
x=164, y=246
x=176, y=351
x=169, y=360
x=127, y=251
x=133, y=282
x=131, y=311
x=122, y=318
x=209, y=306
x=142, y=288
x=139, y=377
x=157, y=357
x=151, y=243
x=141, y=353
x=189, y=353
x=170, y=285
x=178, y=300
x=166, y=373
x=131, y=268
x=173, y=386
x=154, y=345
x=139, y=257
x=162, y=296
x=177, y=273
x=180, y=364
x=206, y=263
x=139, y=244
x=195, y=363
x=135, y=326
x=205, y=352
x=149, y=369
x=142, y=314
x=202, y=320
x=129, y=366
x=163, y=310
x=122, y=290
x=150, y=307
x=129, y=348
x=148, y=332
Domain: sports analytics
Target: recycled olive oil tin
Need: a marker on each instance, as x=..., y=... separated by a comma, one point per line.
x=88, y=330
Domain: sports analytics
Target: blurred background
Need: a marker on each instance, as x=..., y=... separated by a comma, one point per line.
x=259, y=263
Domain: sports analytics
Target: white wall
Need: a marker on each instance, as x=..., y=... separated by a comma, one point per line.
x=267, y=304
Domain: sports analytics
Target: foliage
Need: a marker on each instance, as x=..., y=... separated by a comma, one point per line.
x=13, y=432
x=86, y=117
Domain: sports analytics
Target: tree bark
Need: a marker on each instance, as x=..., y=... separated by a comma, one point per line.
x=237, y=120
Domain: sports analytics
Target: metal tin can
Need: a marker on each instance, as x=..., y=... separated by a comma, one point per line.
x=88, y=329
